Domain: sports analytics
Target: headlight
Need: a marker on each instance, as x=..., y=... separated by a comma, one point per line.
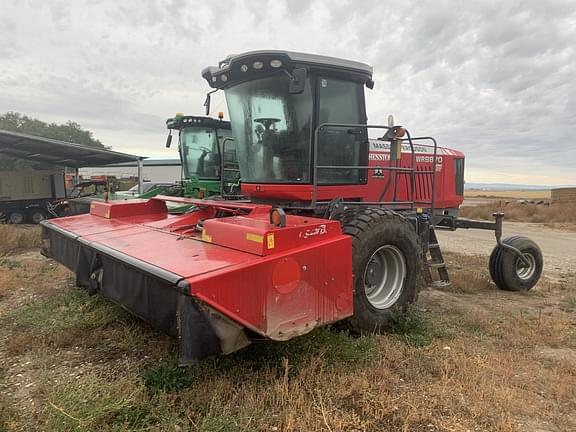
x=224, y=78
x=244, y=68
x=276, y=63
x=257, y=65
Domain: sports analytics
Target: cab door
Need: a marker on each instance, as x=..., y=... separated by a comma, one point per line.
x=341, y=101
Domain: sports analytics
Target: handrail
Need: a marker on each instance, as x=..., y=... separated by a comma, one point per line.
x=316, y=132
x=396, y=170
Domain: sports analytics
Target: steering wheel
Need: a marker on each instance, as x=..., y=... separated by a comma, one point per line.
x=267, y=122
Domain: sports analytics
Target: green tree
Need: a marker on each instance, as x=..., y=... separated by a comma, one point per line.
x=68, y=132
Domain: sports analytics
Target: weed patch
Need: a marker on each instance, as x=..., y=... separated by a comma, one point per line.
x=325, y=347
x=415, y=328
x=569, y=303
x=334, y=347
x=468, y=273
x=561, y=213
x=7, y=415
x=73, y=309
x=167, y=377
x=103, y=403
x=17, y=238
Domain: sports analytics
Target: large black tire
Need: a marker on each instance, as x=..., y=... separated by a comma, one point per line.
x=495, y=263
x=17, y=217
x=506, y=268
x=377, y=231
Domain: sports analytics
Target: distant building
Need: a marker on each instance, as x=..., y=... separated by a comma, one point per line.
x=563, y=195
x=157, y=170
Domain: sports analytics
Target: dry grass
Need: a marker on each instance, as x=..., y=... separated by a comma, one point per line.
x=515, y=211
x=518, y=194
x=14, y=238
x=468, y=358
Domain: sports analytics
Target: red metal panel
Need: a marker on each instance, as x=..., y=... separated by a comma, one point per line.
x=313, y=288
x=89, y=224
x=378, y=182
x=182, y=255
x=304, y=281
x=136, y=207
x=256, y=235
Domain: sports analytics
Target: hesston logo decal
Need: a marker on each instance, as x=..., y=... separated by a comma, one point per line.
x=419, y=159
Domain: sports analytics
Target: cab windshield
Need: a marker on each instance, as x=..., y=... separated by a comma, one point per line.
x=271, y=130
x=199, y=153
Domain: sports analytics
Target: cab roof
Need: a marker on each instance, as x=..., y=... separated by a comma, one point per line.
x=181, y=121
x=249, y=65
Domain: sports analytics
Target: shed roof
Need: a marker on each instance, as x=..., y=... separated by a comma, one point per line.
x=55, y=152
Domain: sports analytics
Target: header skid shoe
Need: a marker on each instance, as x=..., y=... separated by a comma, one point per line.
x=208, y=275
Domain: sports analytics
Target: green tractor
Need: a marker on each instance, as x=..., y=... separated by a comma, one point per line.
x=208, y=156
x=209, y=168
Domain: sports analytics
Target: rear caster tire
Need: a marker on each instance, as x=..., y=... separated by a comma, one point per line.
x=386, y=256
x=509, y=272
x=16, y=217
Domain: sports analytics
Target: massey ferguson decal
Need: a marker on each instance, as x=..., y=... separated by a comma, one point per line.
x=380, y=152
x=384, y=146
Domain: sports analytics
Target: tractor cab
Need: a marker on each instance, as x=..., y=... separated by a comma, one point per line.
x=206, y=151
x=278, y=102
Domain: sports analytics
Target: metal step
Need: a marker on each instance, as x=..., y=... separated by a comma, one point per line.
x=436, y=261
x=441, y=284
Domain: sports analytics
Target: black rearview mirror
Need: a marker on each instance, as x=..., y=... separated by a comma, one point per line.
x=207, y=101
x=169, y=140
x=297, y=81
x=207, y=104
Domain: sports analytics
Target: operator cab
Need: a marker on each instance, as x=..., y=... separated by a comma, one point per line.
x=202, y=144
x=277, y=100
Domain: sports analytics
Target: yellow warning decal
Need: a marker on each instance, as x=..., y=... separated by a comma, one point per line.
x=206, y=237
x=255, y=237
x=92, y=206
x=270, y=240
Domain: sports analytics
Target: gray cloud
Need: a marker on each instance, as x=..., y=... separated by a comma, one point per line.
x=492, y=78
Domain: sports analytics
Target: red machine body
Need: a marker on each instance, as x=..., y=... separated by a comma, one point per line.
x=382, y=185
x=278, y=282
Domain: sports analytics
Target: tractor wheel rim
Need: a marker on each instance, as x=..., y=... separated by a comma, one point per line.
x=524, y=271
x=384, y=276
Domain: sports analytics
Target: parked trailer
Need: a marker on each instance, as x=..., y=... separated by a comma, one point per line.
x=31, y=195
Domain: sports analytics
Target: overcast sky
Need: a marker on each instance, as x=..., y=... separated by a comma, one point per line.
x=495, y=79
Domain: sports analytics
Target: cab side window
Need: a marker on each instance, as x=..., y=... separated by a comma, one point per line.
x=341, y=102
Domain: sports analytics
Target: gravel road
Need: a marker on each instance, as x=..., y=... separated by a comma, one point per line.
x=558, y=246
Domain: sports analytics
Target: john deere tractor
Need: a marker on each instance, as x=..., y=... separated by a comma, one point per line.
x=208, y=156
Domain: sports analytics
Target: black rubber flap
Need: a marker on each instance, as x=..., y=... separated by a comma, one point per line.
x=151, y=298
